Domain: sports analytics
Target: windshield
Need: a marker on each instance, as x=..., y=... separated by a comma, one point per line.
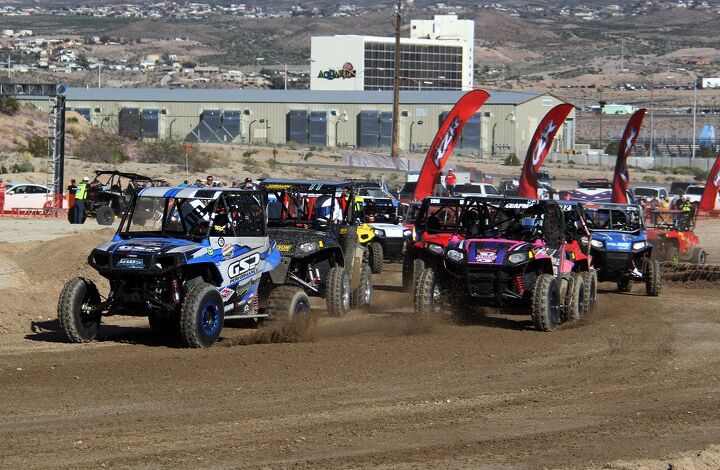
x=613, y=219
x=372, y=192
x=379, y=212
x=230, y=215
x=645, y=192
x=290, y=207
x=695, y=190
x=484, y=219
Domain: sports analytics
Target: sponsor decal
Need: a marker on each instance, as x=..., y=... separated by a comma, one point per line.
x=140, y=248
x=284, y=248
x=227, y=250
x=210, y=251
x=542, y=144
x=226, y=293
x=716, y=181
x=447, y=139
x=134, y=263
x=221, y=242
x=278, y=186
x=485, y=256
x=345, y=72
x=244, y=266
x=242, y=290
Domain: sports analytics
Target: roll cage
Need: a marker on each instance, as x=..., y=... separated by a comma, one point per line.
x=614, y=217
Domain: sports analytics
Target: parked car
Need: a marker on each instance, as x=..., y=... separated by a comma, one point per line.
x=26, y=196
x=476, y=189
x=677, y=188
x=649, y=192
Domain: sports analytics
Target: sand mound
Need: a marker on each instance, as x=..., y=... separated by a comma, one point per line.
x=34, y=273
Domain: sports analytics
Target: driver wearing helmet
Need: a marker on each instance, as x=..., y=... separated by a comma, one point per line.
x=327, y=209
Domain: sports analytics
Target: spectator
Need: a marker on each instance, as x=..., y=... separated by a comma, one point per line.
x=209, y=181
x=184, y=184
x=198, y=183
x=72, y=187
x=80, y=197
x=450, y=181
x=248, y=184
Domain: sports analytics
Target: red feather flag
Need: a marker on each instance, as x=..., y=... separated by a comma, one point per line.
x=445, y=139
x=621, y=180
x=709, y=197
x=539, y=147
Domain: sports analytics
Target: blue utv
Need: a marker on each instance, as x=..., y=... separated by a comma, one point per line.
x=188, y=259
x=619, y=246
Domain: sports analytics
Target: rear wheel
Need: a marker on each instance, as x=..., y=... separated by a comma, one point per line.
x=653, y=280
x=412, y=268
x=698, y=256
x=575, y=299
x=376, y=257
x=104, y=215
x=428, y=295
x=201, y=316
x=337, y=292
x=77, y=323
x=590, y=281
x=672, y=254
x=361, y=297
x=546, y=303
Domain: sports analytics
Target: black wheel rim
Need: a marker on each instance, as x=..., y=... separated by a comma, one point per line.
x=302, y=308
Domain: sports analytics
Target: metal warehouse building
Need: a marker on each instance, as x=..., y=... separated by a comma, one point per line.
x=353, y=119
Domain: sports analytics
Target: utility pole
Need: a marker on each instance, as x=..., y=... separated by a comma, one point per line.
x=694, y=117
x=396, y=81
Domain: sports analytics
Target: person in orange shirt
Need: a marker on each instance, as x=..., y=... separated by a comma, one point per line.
x=450, y=181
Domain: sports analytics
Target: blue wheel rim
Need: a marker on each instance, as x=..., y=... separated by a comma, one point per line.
x=302, y=308
x=210, y=319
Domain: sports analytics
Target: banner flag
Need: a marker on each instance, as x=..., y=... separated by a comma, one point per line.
x=621, y=179
x=445, y=139
x=539, y=147
x=709, y=197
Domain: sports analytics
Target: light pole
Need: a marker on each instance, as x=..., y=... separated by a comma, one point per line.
x=260, y=59
x=602, y=106
x=511, y=117
x=419, y=123
x=396, y=80
x=342, y=118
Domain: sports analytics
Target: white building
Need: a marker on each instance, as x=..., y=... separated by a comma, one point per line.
x=438, y=55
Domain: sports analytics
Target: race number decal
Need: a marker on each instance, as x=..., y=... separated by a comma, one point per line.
x=244, y=266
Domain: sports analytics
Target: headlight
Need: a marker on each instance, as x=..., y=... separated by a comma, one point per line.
x=379, y=233
x=455, y=255
x=407, y=233
x=516, y=258
x=308, y=247
x=639, y=245
x=437, y=249
x=597, y=243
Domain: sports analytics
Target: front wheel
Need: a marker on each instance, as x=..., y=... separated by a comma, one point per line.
x=590, y=281
x=672, y=254
x=698, y=256
x=292, y=305
x=337, y=292
x=376, y=257
x=201, y=316
x=653, y=279
x=78, y=323
x=546, y=303
x=428, y=295
x=412, y=268
x=575, y=299
x=362, y=296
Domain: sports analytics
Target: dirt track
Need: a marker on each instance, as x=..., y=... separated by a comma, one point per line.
x=638, y=380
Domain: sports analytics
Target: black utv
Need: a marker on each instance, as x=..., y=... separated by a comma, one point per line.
x=314, y=226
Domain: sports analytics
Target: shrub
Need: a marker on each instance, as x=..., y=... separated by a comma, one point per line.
x=649, y=179
x=307, y=155
x=292, y=145
x=38, y=147
x=511, y=160
x=22, y=167
x=100, y=147
x=9, y=105
x=72, y=120
x=249, y=153
x=171, y=151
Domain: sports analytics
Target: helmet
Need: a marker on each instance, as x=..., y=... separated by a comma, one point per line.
x=85, y=178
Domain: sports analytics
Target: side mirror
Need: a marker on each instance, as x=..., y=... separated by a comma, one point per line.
x=10, y=193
